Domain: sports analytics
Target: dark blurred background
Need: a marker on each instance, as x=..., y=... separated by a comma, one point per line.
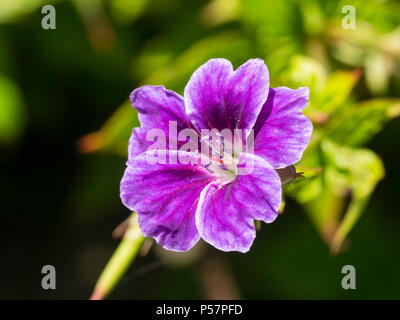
x=59, y=184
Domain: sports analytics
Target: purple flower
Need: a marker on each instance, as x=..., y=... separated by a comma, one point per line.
x=179, y=201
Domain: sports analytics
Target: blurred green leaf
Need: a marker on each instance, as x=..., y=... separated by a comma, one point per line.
x=114, y=134
x=314, y=19
x=154, y=56
x=14, y=9
x=337, y=89
x=355, y=170
x=344, y=172
x=377, y=72
x=358, y=123
x=306, y=189
x=230, y=45
x=327, y=93
x=278, y=41
x=12, y=111
x=378, y=52
x=126, y=11
x=304, y=71
x=217, y=12
x=95, y=20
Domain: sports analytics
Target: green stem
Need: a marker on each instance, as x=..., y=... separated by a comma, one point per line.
x=120, y=261
x=354, y=211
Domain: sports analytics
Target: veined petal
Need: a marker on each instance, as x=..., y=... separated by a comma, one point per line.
x=156, y=107
x=225, y=214
x=137, y=142
x=282, y=131
x=165, y=196
x=218, y=97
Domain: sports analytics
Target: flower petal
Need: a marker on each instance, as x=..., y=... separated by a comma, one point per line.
x=218, y=97
x=156, y=107
x=165, y=196
x=282, y=131
x=225, y=214
x=137, y=142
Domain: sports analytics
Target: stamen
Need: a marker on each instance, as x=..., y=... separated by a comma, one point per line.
x=213, y=148
x=222, y=144
x=206, y=166
x=216, y=166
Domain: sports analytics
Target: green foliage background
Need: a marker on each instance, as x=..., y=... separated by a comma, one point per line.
x=65, y=122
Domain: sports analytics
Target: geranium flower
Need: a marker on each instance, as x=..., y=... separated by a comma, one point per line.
x=178, y=202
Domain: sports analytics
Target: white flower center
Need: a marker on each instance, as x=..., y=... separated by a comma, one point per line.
x=222, y=160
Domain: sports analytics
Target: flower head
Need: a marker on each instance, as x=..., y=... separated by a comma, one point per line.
x=186, y=197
